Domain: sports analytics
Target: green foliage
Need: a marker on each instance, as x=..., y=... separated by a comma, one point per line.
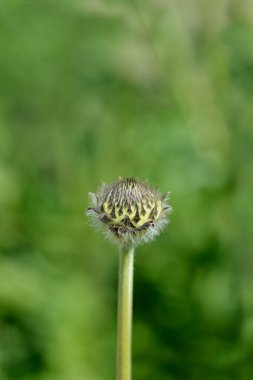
x=92, y=90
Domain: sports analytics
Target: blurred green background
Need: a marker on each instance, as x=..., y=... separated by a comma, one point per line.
x=96, y=89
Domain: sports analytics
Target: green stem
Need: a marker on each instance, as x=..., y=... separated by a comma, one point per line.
x=125, y=301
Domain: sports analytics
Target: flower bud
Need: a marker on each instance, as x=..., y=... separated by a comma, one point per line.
x=130, y=211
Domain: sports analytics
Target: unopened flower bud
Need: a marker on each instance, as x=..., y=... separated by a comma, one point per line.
x=130, y=211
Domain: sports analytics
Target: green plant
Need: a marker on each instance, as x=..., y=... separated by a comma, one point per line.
x=130, y=212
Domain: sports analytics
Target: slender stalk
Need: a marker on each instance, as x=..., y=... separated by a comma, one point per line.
x=125, y=301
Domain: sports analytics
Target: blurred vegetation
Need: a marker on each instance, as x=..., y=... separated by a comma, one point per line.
x=94, y=89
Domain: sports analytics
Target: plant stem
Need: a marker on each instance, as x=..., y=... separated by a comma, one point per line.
x=125, y=301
